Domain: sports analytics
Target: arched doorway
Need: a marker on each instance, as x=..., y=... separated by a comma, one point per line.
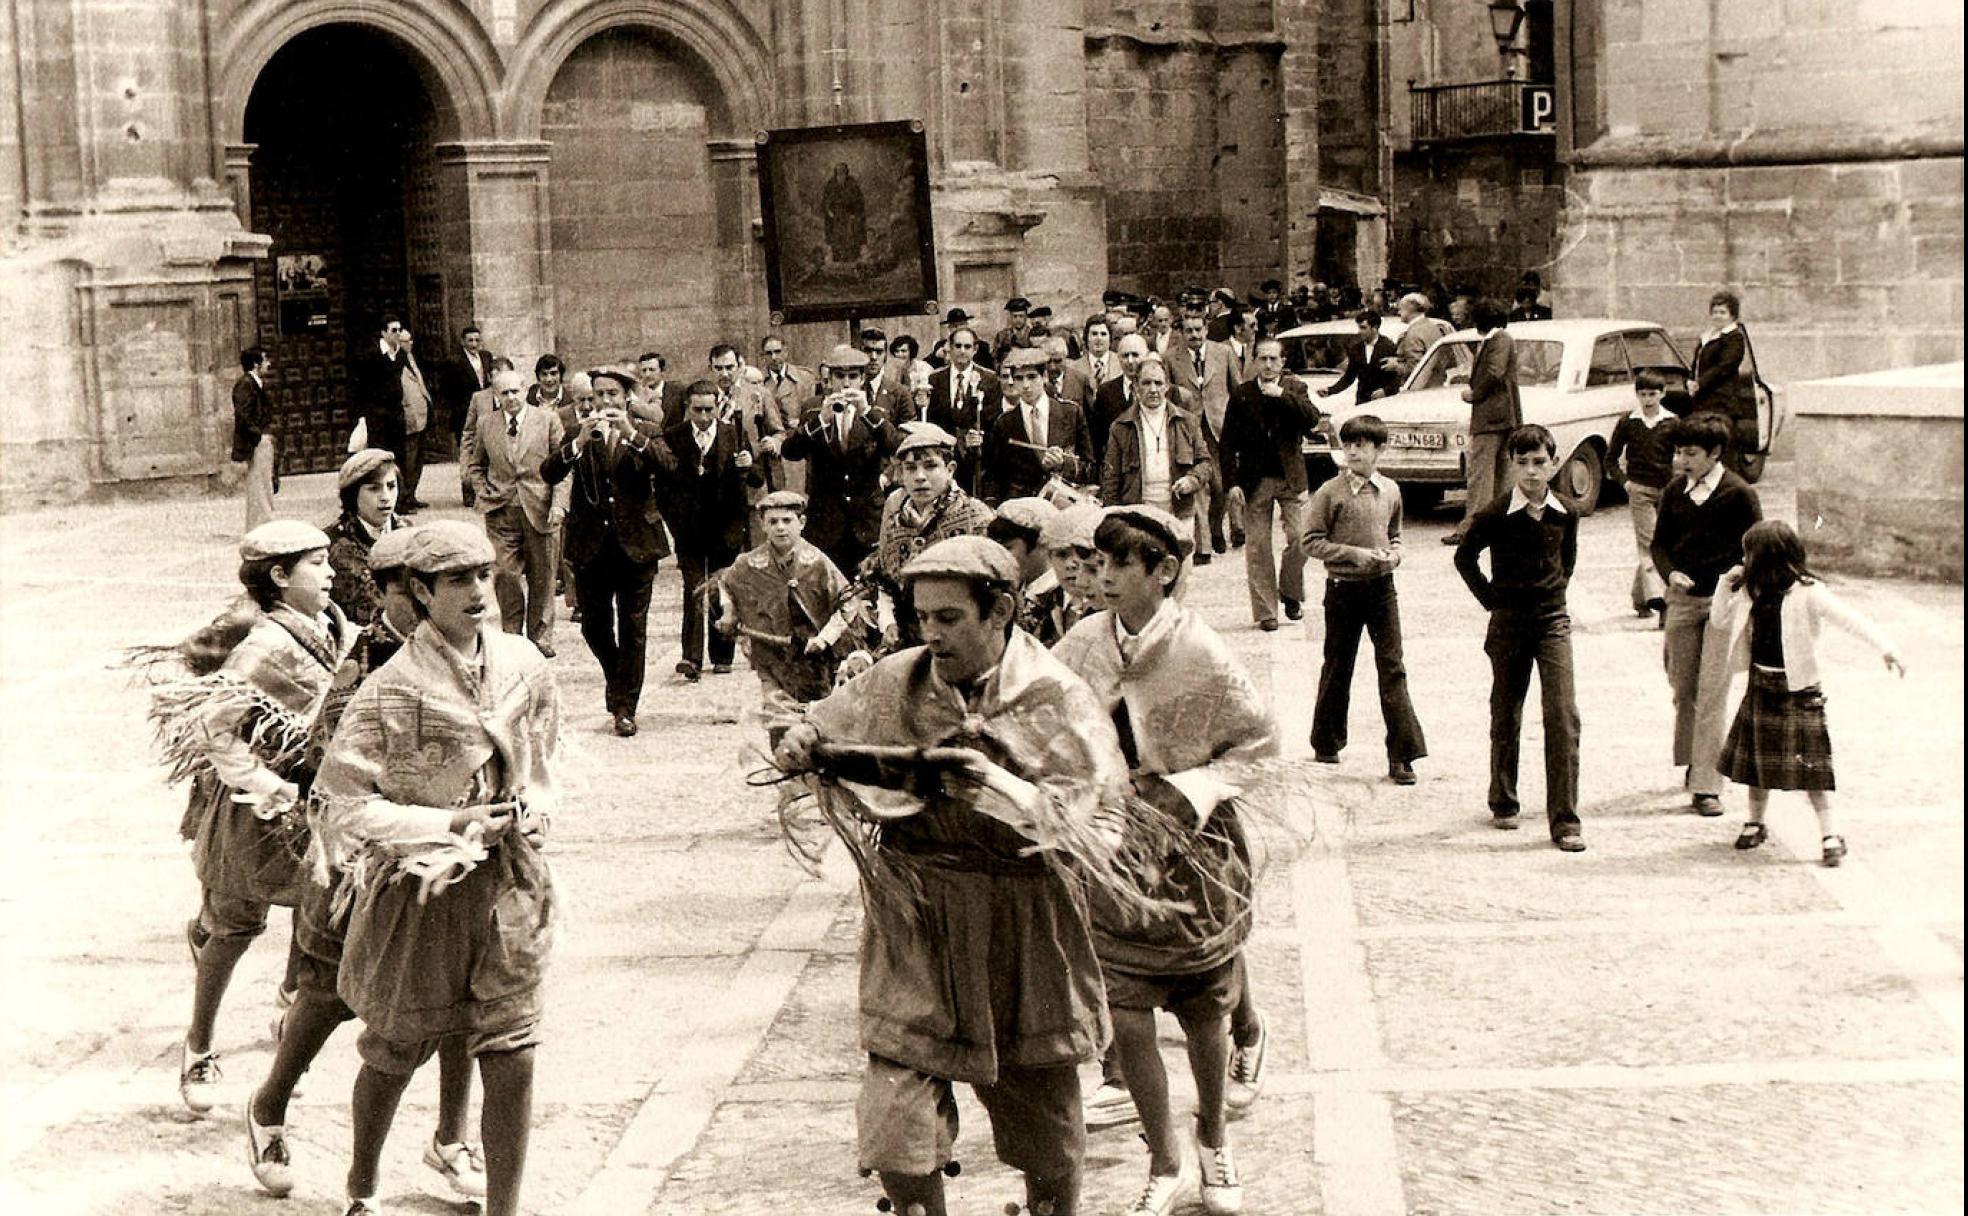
x=636, y=234
x=343, y=122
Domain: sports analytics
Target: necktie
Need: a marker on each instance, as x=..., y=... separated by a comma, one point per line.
x=1034, y=428
x=1199, y=366
x=512, y=427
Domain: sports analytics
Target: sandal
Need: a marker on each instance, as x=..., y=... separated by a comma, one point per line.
x=1753, y=834
x=1834, y=851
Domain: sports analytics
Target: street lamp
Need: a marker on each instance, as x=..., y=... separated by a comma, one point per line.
x=1506, y=19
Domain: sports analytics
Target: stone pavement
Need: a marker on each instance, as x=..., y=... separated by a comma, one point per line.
x=1464, y=1021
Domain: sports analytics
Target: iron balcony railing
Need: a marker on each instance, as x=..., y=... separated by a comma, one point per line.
x=1443, y=113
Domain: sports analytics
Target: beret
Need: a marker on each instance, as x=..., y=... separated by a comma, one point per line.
x=845, y=356
x=1028, y=513
x=1043, y=310
x=1072, y=527
x=1172, y=532
x=447, y=544
x=956, y=316
x=783, y=500
x=281, y=538
x=392, y=549
x=1113, y=296
x=969, y=557
x=1023, y=356
x=357, y=468
x=924, y=435
x=1017, y=304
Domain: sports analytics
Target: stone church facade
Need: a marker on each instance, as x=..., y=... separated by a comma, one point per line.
x=578, y=176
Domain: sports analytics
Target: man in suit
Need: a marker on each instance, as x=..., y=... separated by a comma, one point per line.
x=888, y=373
x=748, y=407
x=613, y=538
x=846, y=444
x=521, y=510
x=1264, y=426
x=1243, y=344
x=1037, y=438
x=1099, y=364
x=1201, y=369
x=964, y=399
x=1423, y=332
x=376, y=384
x=461, y=379
x=661, y=399
x=1160, y=330
x=705, y=499
x=482, y=402
x=1274, y=315
x=1064, y=381
x=252, y=435
x=1366, y=363
x=793, y=388
x=1494, y=409
x=1117, y=395
x=417, y=410
x=939, y=354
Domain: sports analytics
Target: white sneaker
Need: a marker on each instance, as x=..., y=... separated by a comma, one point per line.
x=1223, y=1190
x=1247, y=1070
x=1110, y=1106
x=266, y=1152
x=460, y=1165
x=363, y=1207
x=198, y=1079
x=1163, y=1193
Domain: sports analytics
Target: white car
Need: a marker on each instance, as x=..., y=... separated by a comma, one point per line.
x=1575, y=377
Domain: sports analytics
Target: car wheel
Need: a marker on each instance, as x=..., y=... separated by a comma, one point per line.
x=1582, y=478
x=1421, y=499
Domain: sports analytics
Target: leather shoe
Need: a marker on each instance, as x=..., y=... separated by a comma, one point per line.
x=1708, y=806
x=1570, y=844
x=1453, y=538
x=720, y=669
x=625, y=725
x=1325, y=757
x=689, y=670
x=1294, y=610
x=1504, y=823
x=546, y=648
x=1202, y=559
x=1270, y=626
x=1400, y=772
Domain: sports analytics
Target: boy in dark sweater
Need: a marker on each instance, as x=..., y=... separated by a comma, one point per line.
x=1704, y=512
x=1532, y=537
x=1641, y=457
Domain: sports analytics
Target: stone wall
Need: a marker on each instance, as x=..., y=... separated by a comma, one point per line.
x=1477, y=214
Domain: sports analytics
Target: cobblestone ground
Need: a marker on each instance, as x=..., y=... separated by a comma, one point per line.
x=1465, y=1021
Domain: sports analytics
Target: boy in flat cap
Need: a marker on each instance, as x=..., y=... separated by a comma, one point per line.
x=318, y=929
x=928, y=506
x=782, y=600
x=434, y=797
x=1018, y=526
x=243, y=723
x=1005, y=994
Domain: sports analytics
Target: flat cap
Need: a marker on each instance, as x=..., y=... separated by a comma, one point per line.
x=845, y=356
x=392, y=549
x=1031, y=514
x=281, y=538
x=448, y=544
x=1172, y=532
x=1113, y=296
x=622, y=376
x=968, y=557
x=1018, y=304
x=956, y=316
x=1073, y=527
x=783, y=500
x=357, y=468
x=1023, y=356
x=1040, y=313
x=924, y=435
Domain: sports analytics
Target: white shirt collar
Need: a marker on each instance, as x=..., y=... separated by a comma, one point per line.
x=255, y=374
x=383, y=345
x=1551, y=501
x=1699, y=490
x=1659, y=417
x=1377, y=479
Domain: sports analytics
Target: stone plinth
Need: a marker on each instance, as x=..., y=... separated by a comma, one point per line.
x=1879, y=471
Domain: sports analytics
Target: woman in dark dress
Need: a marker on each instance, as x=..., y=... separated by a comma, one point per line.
x=1725, y=377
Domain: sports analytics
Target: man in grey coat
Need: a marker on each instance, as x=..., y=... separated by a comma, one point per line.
x=1494, y=409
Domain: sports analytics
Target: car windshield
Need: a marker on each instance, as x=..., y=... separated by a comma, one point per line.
x=1449, y=363
x=1318, y=352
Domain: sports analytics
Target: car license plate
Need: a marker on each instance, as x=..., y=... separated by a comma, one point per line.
x=1416, y=439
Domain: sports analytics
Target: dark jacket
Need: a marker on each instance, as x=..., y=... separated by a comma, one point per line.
x=376, y=383
x=1722, y=383
x=1703, y=541
x=1011, y=471
x=1262, y=436
x=1493, y=402
x=1367, y=372
x=458, y=381
x=613, y=497
x=1531, y=560
x=703, y=497
x=843, y=481
x=956, y=417
x=1120, y=473
x=252, y=416
x=1114, y=398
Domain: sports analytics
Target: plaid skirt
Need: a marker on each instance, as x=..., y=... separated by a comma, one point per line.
x=1779, y=740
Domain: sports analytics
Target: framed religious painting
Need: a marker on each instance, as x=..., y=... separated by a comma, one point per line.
x=847, y=222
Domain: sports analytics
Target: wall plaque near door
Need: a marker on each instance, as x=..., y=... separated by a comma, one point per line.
x=301, y=283
x=847, y=222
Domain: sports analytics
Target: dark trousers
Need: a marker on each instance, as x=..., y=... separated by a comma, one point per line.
x=410, y=461
x=613, y=593
x=699, y=608
x=1353, y=605
x=1517, y=640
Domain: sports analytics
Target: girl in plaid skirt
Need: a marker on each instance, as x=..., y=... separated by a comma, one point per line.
x=1774, y=608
